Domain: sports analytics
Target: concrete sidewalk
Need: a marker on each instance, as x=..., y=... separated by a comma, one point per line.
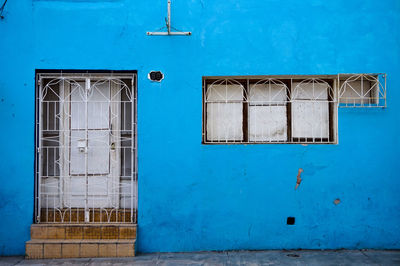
x=272, y=257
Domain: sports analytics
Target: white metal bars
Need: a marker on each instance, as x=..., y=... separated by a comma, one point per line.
x=362, y=90
x=314, y=111
x=86, y=148
x=269, y=110
x=224, y=111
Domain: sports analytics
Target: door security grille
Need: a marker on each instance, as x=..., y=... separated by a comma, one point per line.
x=86, y=148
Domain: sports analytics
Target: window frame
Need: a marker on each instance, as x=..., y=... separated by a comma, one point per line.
x=288, y=80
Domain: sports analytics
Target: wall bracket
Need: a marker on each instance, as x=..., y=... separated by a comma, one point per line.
x=169, y=27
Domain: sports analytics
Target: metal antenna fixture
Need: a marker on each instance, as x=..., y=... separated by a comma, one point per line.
x=169, y=27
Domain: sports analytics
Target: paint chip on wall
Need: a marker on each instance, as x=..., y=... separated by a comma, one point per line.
x=298, y=178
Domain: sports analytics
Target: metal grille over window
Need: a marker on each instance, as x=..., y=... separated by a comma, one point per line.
x=362, y=90
x=311, y=116
x=293, y=109
x=224, y=106
x=86, y=156
x=268, y=111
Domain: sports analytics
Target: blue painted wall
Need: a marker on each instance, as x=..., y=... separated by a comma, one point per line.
x=197, y=197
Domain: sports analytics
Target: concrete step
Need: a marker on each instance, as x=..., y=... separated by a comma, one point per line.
x=83, y=231
x=90, y=248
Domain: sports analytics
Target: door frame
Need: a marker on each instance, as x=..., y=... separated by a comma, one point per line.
x=127, y=74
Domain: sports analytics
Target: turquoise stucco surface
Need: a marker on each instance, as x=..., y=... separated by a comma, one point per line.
x=221, y=197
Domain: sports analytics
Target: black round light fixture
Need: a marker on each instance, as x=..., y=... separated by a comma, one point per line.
x=156, y=76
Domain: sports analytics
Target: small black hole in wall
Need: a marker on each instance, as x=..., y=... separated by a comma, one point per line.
x=290, y=220
x=156, y=76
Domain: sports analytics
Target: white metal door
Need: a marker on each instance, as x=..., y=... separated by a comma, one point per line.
x=94, y=163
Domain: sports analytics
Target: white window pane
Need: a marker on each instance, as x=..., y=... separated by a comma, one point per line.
x=75, y=191
x=78, y=120
x=127, y=198
x=310, y=119
x=98, y=185
x=49, y=192
x=268, y=93
x=98, y=152
x=311, y=90
x=267, y=123
x=224, y=121
x=98, y=115
x=355, y=93
x=77, y=164
x=98, y=106
x=310, y=114
x=225, y=92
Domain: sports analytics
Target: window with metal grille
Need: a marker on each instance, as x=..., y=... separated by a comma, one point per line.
x=362, y=90
x=280, y=109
